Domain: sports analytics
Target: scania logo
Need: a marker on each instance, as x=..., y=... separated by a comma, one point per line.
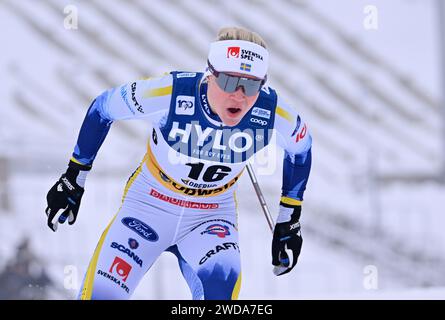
x=258, y=121
x=140, y=228
x=128, y=252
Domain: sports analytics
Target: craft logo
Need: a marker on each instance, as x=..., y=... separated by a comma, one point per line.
x=222, y=247
x=121, y=268
x=133, y=97
x=233, y=52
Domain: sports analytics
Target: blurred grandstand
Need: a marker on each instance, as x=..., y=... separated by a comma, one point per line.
x=376, y=120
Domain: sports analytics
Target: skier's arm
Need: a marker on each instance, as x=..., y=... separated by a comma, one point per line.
x=135, y=100
x=140, y=99
x=293, y=136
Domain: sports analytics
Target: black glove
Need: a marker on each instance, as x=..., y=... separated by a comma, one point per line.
x=66, y=195
x=287, y=242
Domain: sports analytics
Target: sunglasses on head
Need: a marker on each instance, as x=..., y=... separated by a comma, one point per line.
x=230, y=84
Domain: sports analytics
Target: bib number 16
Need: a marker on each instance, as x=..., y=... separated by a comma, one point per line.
x=211, y=174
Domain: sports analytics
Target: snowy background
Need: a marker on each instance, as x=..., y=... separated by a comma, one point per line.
x=364, y=74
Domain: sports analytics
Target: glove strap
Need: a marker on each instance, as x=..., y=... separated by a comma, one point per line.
x=288, y=213
x=75, y=164
x=77, y=172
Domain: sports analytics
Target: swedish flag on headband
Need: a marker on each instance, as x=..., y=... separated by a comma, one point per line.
x=245, y=67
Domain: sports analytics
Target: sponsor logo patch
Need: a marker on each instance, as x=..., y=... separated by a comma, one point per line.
x=133, y=243
x=261, y=122
x=128, y=252
x=183, y=203
x=223, y=247
x=120, y=268
x=260, y=112
x=301, y=134
x=186, y=75
x=114, y=279
x=140, y=228
x=233, y=52
x=185, y=105
x=217, y=229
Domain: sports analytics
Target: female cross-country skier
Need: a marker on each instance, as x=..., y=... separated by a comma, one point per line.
x=181, y=198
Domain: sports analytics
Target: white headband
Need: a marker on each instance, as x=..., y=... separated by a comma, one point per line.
x=239, y=56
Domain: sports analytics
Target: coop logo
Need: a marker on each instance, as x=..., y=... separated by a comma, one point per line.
x=140, y=228
x=185, y=105
x=121, y=268
x=217, y=229
x=258, y=121
x=233, y=52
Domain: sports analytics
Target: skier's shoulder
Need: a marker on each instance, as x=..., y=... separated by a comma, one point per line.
x=288, y=111
x=150, y=87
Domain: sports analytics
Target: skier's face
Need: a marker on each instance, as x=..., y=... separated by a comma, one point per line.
x=230, y=107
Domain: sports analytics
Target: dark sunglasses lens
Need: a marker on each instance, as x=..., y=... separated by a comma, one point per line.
x=251, y=87
x=227, y=83
x=230, y=83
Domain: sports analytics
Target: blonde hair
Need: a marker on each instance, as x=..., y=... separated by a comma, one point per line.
x=238, y=33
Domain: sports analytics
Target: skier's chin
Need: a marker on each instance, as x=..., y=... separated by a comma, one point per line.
x=231, y=121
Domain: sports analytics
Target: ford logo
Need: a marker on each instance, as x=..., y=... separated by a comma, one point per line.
x=140, y=228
